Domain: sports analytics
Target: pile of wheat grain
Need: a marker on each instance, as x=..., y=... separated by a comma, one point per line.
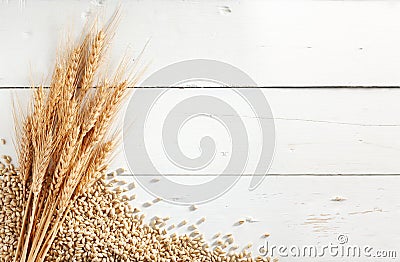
x=12, y=200
x=103, y=226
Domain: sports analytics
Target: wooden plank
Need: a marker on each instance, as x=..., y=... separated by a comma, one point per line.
x=295, y=211
x=290, y=43
x=318, y=131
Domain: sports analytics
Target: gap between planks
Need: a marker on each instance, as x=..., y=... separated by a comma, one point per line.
x=232, y=87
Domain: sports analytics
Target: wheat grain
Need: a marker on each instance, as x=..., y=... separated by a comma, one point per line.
x=92, y=64
x=193, y=207
x=201, y=220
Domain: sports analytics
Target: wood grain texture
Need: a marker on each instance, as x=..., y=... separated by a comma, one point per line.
x=300, y=210
x=320, y=132
x=342, y=132
x=290, y=43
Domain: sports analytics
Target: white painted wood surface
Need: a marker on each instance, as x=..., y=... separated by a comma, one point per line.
x=341, y=132
x=319, y=132
x=300, y=210
x=277, y=43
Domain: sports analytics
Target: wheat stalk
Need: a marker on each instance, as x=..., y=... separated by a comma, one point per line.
x=94, y=168
x=63, y=142
x=58, y=178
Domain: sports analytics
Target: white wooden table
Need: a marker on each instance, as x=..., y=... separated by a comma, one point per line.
x=331, y=142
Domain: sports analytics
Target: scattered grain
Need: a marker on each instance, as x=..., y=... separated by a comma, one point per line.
x=241, y=222
x=184, y=222
x=132, y=197
x=201, y=220
x=131, y=186
x=120, y=170
x=147, y=204
x=192, y=227
x=230, y=240
x=217, y=235
x=338, y=199
x=100, y=228
x=156, y=200
x=155, y=180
